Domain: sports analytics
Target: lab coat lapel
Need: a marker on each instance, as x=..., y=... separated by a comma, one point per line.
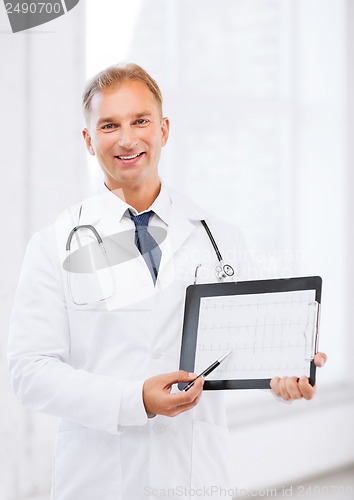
x=131, y=274
x=185, y=215
x=103, y=212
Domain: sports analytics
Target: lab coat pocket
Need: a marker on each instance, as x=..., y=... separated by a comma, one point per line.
x=211, y=469
x=87, y=465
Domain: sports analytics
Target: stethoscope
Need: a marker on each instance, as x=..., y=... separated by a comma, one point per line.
x=223, y=271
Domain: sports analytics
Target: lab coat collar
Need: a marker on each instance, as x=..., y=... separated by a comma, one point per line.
x=163, y=204
x=167, y=197
x=185, y=208
x=106, y=210
x=185, y=216
x=169, y=205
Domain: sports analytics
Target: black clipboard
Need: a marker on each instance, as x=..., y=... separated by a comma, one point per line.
x=197, y=295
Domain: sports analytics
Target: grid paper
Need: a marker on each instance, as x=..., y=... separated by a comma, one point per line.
x=270, y=334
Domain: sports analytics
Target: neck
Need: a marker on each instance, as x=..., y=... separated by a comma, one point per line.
x=141, y=198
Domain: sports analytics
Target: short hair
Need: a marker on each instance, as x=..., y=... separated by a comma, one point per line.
x=114, y=76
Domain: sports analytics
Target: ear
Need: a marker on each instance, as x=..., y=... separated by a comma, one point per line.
x=87, y=139
x=165, y=129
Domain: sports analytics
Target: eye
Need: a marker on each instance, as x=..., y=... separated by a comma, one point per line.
x=142, y=121
x=108, y=126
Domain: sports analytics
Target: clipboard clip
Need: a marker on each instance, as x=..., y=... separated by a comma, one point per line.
x=311, y=345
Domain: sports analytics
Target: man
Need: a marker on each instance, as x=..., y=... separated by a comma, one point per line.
x=99, y=350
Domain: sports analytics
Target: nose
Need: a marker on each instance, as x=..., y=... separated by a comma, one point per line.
x=127, y=138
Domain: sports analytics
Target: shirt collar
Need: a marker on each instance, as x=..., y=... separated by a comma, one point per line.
x=161, y=206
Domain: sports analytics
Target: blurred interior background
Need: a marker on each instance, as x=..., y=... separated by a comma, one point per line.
x=260, y=97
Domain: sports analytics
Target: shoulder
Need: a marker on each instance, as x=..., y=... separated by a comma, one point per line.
x=185, y=205
x=192, y=211
x=228, y=237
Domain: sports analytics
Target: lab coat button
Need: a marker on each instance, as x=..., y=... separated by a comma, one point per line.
x=159, y=428
x=157, y=354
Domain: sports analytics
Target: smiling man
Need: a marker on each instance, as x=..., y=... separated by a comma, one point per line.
x=107, y=367
x=126, y=131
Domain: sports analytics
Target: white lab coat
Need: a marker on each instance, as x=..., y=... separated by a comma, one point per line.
x=87, y=364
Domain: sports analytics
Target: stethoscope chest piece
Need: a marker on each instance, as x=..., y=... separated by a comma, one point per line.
x=223, y=271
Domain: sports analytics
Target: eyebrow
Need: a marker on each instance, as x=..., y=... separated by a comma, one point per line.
x=109, y=119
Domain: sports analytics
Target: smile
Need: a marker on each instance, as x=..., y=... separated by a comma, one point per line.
x=132, y=157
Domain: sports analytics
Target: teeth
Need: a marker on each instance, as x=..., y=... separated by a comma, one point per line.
x=129, y=157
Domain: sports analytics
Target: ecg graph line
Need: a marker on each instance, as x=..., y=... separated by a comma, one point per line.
x=272, y=332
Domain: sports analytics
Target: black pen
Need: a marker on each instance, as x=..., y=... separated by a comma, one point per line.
x=207, y=370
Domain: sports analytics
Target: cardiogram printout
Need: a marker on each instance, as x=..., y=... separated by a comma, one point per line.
x=270, y=334
x=271, y=326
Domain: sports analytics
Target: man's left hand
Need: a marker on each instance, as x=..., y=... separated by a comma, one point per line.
x=291, y=388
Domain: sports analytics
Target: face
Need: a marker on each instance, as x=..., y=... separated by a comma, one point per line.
x=126, y=133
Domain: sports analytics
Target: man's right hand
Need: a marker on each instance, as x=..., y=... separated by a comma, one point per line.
x=158, y=399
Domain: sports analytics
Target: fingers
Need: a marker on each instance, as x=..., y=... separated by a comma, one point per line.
x=292, y=388
x=158, y=398
x=174, y=404
x=183, y=397
x=185, y=401
x=179, y=376
x=320, y=359
x=286, y=388
x=306, y=389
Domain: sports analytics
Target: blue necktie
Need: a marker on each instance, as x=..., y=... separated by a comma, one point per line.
x=146, y=244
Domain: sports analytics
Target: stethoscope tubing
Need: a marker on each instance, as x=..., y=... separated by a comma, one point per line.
x=213, y=242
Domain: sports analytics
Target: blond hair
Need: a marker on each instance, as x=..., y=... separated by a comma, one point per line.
x=114, y=76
